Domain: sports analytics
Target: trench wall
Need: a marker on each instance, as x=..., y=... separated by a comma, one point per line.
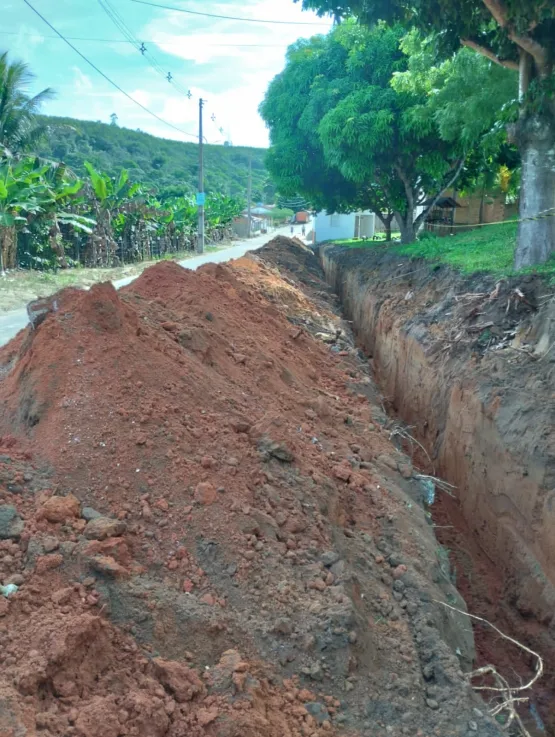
x=484, y=442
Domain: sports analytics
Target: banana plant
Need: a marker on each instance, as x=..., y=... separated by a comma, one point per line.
x=112, y=197
x=21, y=196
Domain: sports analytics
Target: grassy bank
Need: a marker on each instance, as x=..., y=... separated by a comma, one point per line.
x=489, y=249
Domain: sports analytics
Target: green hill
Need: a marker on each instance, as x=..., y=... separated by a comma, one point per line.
x=168, y=166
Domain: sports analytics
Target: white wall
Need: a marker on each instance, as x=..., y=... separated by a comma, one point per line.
x=341, y=227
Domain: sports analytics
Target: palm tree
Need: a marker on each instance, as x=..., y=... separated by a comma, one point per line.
x=20, y=129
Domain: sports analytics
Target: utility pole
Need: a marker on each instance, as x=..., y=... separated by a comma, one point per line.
x=249, y=198
x=200, y=194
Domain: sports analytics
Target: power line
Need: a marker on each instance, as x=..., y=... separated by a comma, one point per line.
x=121, y=25
x=114, y=84
x=123, y=41
x=231, y=17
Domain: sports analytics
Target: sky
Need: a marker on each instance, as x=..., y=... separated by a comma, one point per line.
x=226, y=62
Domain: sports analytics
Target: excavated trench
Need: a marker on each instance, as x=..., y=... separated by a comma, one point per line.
x=466, y=364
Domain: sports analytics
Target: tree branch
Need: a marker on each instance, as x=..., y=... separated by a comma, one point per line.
x=488, y=53
x=406, y=184
x=499, y=12
x=455, y=175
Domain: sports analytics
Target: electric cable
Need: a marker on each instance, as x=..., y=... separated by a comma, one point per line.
x=105, y=76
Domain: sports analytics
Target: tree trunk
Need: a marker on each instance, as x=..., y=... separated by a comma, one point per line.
x=536, y=238
x=57, y=245
x=406, y=226
x=8, y=247
x=387, y=226
x=386, y=222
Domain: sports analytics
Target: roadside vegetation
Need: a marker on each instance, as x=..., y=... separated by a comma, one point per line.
x=489, y=249
x=52, y=217
x=387, y=112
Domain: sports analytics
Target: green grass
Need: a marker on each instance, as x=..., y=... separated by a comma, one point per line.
x=489, y=249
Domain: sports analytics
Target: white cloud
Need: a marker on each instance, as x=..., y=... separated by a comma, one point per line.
x=83, y=83
x=248, y=56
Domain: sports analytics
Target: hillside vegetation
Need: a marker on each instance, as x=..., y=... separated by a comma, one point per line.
x=168, y=166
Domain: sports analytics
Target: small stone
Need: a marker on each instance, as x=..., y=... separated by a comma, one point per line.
x=329, y=557
x=16, y=579
x=316, y=672
x=352, y=637
x=60, y=508
x=399, y=571
x=249, y=554
x=432, y=703
x=317, y=710
x=107, y=565
x=342, y=471
x=405, y=469
x=379, y=559
x=473, y=726
x=50, y=544
x=281, y=452
x=205, y=493
x=11, y=524
x=188, y=585
x=162, y=504
x=88, y=513
x=240, y=426
x=208, y=599
x=101, y=528
x=317, y=584
x=48, y=563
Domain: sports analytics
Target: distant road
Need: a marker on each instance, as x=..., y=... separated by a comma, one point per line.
x=12, y=322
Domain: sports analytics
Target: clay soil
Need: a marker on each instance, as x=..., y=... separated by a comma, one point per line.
x=481, y=335
x=208, y=526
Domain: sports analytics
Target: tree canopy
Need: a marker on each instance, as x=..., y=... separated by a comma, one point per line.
x=355, y=122
x=518, y=35
x=20, y=130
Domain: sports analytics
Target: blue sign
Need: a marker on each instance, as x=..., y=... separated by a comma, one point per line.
x=201, y=198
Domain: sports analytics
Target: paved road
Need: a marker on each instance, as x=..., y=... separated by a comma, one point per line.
x=12, y=322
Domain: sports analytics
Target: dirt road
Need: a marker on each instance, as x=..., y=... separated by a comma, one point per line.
x=12, y=322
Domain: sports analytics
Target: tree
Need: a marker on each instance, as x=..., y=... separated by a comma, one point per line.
x=20, y=130
x=292, y=110
x=113, y=119
x=516, y=34
x=345, y=131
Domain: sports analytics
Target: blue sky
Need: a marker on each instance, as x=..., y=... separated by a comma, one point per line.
x=229, y=63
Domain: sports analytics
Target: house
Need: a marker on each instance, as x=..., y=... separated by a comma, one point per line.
x=343, y=226
x=240, y=226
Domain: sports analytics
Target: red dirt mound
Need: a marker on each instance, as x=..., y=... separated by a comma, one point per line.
x=191, y=464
